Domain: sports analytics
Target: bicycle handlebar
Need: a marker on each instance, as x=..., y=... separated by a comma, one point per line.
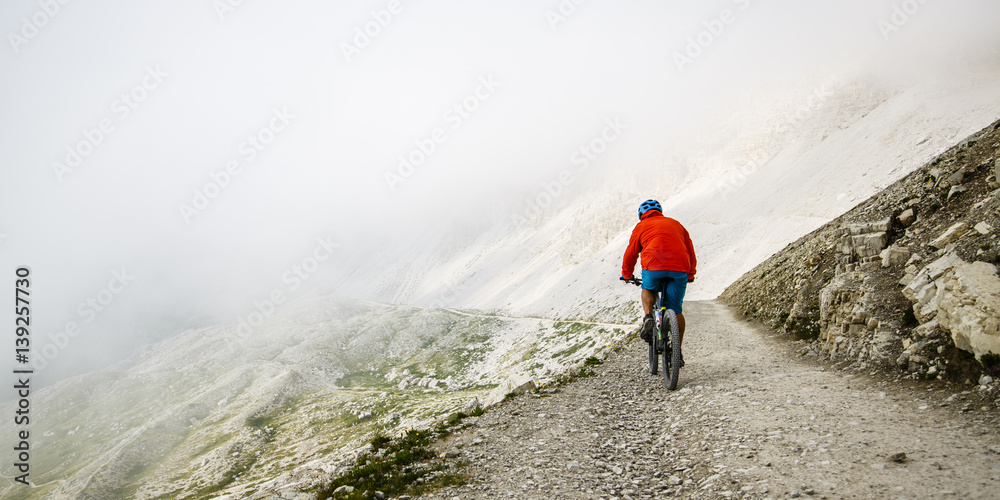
x=638, y=282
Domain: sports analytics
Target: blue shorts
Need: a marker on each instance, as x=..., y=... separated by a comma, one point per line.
x=677, y=282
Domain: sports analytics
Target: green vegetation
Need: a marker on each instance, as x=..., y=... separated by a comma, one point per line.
x=573, y=349
x=591, y=361
x=362, y=379
x=397, y=466
x=444, y=428
x=806, y=328
x=242, y=465
x=781, y=319
x=260, y=422
x=218, y=441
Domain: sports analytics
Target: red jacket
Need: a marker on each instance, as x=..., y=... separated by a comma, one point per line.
x=664, y=244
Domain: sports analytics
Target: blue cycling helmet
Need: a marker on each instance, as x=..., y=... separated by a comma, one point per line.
x=649, y=205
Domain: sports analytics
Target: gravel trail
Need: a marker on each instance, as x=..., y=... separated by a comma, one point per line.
x=750, y=420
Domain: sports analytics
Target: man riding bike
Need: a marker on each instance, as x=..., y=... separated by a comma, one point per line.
x=667, y=254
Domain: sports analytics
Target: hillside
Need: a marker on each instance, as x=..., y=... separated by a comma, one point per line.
x=907, y=278
x=762, y=174
x=219, y=409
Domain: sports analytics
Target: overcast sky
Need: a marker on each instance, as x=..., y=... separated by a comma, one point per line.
x=120, y=119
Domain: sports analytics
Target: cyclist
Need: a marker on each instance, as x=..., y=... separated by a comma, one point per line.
x=667, y=254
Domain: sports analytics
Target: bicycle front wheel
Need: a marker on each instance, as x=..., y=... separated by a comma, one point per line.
x=672, y=352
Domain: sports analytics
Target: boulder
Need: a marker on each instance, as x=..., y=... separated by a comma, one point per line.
x=922, y=290
x=894, y=256
x=983, y=228
x=957, y=178
x=955, y=191
x=970, y=308
x=472, y=406
x=950, y=236
x=908, y=217
x=962, y=298
x=528, y=386
x=996, y=168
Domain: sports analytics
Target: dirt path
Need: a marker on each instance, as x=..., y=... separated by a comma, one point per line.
x=751, y=420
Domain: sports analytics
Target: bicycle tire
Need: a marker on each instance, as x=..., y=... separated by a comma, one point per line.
x=654, y=360
x=672, y=353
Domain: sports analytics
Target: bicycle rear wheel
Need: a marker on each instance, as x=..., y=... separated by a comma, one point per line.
x=653, y=359
x=672, y=352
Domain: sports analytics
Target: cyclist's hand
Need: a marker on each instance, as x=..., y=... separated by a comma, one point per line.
x=628, y=279
x=690, y=279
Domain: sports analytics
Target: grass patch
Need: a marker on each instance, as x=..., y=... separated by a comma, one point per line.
x=242, y=465
x=806, y=328
x=364, y=379
x=592, y=361
x=218, y=441
x=572, y=349
x=453, y=419
x=397, y=466
x=260, y=422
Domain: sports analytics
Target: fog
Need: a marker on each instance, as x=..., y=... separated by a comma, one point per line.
x=171, y=163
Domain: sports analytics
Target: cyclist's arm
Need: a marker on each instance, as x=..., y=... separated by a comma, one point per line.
x=691, y=256
x=631, y=254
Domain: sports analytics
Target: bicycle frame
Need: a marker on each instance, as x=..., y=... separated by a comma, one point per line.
x=661, y=310
x=667, y=339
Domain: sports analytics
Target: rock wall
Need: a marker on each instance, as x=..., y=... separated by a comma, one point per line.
x=847, y=327
x=961, y=298
x=907, y=278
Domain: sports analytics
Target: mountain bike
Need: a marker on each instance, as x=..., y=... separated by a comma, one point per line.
x=666, y=341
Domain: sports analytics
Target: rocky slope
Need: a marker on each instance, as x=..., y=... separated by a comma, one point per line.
x=751, y=420
x=907, y=278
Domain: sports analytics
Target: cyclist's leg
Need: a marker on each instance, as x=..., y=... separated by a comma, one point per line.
x=648, y=300
x=650, y=284
x=675, y=297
